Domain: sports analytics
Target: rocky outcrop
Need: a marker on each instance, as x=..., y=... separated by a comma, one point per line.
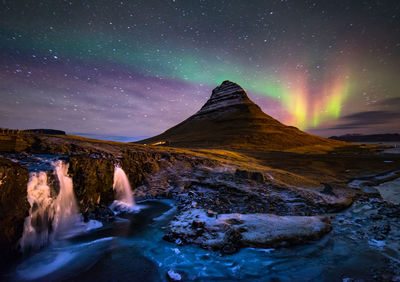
x=93, y=181
x=157, y=174
x=225, y=189
x=14, y=206
x=227, y=97
x=13, y=143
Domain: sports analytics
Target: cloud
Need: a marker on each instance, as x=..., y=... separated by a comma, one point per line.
x=367, y=119
x=390, y=102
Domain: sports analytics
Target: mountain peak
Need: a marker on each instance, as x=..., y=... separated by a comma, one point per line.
x=228, y=90
x=226, y=95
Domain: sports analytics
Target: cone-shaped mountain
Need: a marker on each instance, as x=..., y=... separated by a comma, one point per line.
x=229, y=119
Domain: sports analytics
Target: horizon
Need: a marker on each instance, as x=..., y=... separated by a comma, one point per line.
x=326, y=68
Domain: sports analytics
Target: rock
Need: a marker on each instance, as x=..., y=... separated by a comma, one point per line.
x=173, y=275
x=253, y=175
x=14, y=207
x=197, y=224
x=381, y=229
x=99, y=212
x=229, y=232
x=328, y=190
x=396, y=278
x=211, y=213
x=371, y=191
x=93, y=180
x=392, y=211
x=233, y=239
x=376, y=217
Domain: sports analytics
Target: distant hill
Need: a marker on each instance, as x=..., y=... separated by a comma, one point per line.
x=229, y=119
x=388, y=137
x=46, y=131
x=40, y=131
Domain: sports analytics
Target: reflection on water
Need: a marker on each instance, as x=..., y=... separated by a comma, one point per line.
x=131, y=248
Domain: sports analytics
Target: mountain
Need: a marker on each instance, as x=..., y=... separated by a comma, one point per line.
x=229, y=119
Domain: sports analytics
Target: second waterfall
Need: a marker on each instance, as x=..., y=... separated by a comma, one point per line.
x=124, y=197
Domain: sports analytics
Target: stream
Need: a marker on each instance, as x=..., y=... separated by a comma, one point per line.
x=132, y=248
x=363, y=245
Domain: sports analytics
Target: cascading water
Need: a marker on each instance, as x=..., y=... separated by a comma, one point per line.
x=124, y=198
x=49, y=218
x=36, y=225
x=66, y=213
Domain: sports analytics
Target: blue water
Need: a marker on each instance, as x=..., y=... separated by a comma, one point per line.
x=131, y=248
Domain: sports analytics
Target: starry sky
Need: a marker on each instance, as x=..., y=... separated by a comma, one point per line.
x=136, y=68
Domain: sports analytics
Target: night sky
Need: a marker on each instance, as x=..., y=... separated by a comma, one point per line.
x=136, y=68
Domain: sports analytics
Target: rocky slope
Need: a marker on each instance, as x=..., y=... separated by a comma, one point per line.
x=229, y=119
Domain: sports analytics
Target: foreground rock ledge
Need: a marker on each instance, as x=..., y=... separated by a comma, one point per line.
x=229, y=232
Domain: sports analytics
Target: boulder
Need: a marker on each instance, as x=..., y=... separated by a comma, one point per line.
x=229, y=232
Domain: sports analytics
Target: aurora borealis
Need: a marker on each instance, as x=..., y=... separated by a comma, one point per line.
x=136, y=68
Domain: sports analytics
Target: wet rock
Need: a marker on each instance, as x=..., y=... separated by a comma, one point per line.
x=380, y=229
x=328, y=190
x=396, y=278
x=233, y=239
x=173, y=275
x=229, y=232
x=14, y=207
x=376, y=217
x=170, y=237
x=211, y=213
x=100, y=213
x=392, y=211
x=93, y=181
x=253, y=175
x=197, y=224
x=371, y=191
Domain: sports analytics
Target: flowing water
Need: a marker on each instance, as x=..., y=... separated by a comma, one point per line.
x=131, y=248
x=65, y=207
x=36, y=226
x=123, y=192
x=52, y=218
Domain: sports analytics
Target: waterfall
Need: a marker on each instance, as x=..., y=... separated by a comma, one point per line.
x=52, y=219
x=66, y=213
x=124, y=198
x=36, y=225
